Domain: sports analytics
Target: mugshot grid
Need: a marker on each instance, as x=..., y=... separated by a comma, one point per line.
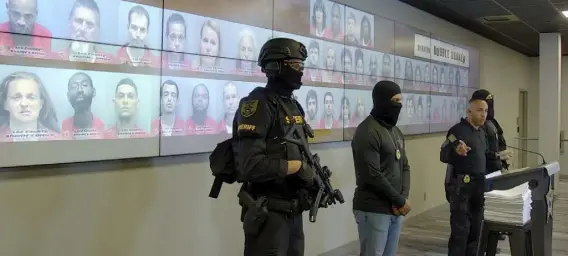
x=133, y=70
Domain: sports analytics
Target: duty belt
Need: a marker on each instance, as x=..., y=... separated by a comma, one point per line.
x=273, y=204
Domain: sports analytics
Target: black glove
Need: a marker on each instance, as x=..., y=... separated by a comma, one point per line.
x=307, y=174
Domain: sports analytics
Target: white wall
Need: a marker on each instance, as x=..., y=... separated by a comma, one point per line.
x=160, y=206
x=534, y=110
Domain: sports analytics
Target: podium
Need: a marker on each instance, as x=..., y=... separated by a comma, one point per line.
x=535, y=236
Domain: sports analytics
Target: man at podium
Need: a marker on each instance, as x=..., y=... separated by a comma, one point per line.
x=465, y=150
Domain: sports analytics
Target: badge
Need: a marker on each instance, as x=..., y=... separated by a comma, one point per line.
x=248, y=108
x=397, y=154
x=466, y=179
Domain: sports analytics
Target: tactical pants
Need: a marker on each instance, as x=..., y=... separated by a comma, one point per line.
x=280, y=235
x=466, y=209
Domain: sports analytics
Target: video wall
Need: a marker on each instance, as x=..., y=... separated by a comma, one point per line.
x=89, y=80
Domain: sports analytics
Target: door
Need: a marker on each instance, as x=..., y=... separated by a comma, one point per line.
x=522, y=130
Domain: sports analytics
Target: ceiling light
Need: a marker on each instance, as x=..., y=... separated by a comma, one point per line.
x=565, y=13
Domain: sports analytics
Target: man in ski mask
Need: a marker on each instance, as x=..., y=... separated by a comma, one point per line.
x=382, y=174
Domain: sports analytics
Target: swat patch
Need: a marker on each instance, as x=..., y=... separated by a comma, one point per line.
x=248, y=108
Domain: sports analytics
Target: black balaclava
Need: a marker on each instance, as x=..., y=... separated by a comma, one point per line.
x=486, y=96
x=286, y=81
x=384, y=109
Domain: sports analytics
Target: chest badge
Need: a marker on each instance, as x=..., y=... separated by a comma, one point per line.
x=466, y=179
x=398, y=155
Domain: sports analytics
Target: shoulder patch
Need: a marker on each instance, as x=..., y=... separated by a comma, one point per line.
x=248, y=108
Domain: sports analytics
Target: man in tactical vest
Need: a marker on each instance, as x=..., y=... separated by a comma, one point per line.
x=273, y=171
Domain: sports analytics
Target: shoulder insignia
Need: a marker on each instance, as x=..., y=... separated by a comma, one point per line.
x=452, y=138
x=248, y=108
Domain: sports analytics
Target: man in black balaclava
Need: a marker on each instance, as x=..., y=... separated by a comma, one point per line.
x=382, y=173
x=271, y=169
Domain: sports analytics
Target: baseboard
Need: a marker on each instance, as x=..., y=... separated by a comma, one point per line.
x=564, y=177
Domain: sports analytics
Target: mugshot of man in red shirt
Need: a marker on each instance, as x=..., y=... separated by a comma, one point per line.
x=84, y=28
x=83, y=124
x=169, y=123
x=174, y=57
x=200, y=123
x=21, y=35
x=27, y=112
x=328, y=120
x=126, y=105
x=135, y=52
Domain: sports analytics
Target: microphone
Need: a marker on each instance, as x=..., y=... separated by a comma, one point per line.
x=528, y=151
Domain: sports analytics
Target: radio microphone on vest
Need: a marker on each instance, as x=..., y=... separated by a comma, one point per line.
x=528, y=151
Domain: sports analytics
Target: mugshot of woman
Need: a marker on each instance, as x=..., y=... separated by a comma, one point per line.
x=336, y=21
x=359, y=67
x=420, y=110
x=318, y=26
x=246, y=53
x=366, y=40
x=27, y=112
x=408, y=76
x=346, y=112
x=418, y=82
x=209, y=46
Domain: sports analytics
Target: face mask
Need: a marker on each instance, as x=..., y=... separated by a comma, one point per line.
x=391, y=113
x=292, y=77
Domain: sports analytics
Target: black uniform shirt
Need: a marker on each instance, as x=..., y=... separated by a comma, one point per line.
x=260, y=154
x=474, y=163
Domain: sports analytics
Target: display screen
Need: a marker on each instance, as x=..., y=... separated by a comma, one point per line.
x=89, y=80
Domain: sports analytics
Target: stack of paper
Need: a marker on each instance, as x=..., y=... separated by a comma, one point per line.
x=509, y=206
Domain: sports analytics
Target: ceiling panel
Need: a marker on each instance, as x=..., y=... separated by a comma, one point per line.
x=535, y=16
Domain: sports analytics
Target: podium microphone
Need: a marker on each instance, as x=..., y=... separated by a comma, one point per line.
x=528, y=151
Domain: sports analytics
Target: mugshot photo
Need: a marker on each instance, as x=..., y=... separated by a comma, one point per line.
x=205, y=106
x=325, y=113
x=139, y=30
x=75, y=104
x=332, y=68
x=359, y=28
x=356, y=106
x=326, y=20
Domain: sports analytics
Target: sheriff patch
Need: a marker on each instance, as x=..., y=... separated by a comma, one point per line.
x=248, y=108
x=247, y=127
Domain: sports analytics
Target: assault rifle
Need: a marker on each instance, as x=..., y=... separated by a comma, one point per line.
x=325, y=194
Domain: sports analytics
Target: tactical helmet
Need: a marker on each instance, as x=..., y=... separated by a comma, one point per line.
x=278, y=49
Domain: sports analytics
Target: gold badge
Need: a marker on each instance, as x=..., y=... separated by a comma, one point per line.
x=248, y=108
x=466, y=179
x=398, y=154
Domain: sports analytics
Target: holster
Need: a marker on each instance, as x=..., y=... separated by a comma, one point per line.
x=254, y=213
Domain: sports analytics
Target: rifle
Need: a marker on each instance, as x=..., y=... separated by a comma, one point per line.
x=326, y=194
